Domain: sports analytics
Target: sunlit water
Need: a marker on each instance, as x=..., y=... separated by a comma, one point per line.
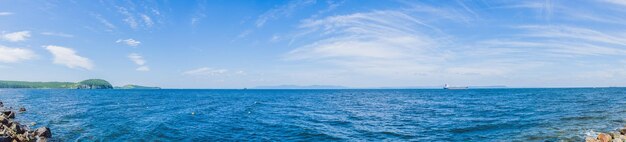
x=321, y=115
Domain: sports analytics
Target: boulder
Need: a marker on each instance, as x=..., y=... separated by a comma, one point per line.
x=5, y=139
x=4, y=120
x=615, y=135
x=8, y=114
x=602, y=137
x=43, y=132
x=42, y=139
x=623, y=131
x=590, y=139
x=16, y=127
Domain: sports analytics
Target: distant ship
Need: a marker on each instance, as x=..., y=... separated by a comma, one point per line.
x=448, y=87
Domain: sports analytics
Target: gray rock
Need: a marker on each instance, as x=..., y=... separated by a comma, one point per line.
x=43, y=132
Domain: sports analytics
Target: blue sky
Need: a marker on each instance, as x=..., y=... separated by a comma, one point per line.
x=364, y=43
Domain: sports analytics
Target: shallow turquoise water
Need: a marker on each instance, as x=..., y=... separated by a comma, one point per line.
x=321, y=115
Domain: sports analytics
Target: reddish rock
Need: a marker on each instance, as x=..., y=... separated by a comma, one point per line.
x=602, y=137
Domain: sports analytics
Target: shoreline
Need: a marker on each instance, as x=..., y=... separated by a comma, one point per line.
x=12, y=130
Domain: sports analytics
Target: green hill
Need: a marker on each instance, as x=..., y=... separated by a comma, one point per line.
x=25, y=84
x=94, y=84
x=86, y=84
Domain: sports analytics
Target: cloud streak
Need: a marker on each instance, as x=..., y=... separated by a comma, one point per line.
x=212, y=72
x=68, y=57
x=16, y=36
x=5, y=13
x=57, y=34
x=140, y=61
x=377, y=42
x=129, y=42
x=13, y=55
x=281, y=11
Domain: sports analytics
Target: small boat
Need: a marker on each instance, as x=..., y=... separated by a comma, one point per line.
x=448, y=87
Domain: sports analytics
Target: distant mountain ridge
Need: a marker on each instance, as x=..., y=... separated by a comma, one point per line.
x=343, y=87
x=85, y=84
x=301, y=87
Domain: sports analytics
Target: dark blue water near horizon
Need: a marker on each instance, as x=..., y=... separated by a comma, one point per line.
x=322, y=115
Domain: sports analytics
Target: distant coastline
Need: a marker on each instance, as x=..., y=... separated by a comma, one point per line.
x=85, y=84
x=344, y=87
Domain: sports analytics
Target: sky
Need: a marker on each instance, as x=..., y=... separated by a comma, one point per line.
x=353, y=43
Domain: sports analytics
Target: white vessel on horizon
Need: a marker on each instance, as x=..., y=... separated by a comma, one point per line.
x=448, y=87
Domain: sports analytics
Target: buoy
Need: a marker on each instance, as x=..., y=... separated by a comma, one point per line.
x=193, y=113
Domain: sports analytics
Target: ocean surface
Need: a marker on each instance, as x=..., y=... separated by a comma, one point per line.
x=321, y=115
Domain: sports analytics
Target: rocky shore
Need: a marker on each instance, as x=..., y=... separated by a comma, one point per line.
x=616, y=136
x=13, y=131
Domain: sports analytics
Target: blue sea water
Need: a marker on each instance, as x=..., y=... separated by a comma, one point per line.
x=321, y=115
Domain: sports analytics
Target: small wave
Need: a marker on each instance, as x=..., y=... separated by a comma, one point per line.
x=578, y=118
x=475, y=128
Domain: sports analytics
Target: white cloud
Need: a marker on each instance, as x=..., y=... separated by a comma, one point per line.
x=57, y=34
x=12, y=55
x=147, y=20
x=105, y=22
x=137, y=59
x=284, y=10
x=68, y=57
x=618, y=2
x=129, y=42
x=379, y=42
x=143, y=68
x=199, y=13
x=130, y=19
x=16, y=36
x=206, y=71
x=5, y=13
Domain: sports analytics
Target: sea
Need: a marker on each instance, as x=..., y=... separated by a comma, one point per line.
x=555, y=114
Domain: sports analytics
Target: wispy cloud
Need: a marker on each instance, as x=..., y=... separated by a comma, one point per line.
x=5, y=13
x=129, y=18
x=147, y=20
x=143, y=68
x=139, y=60
x=57, y=34
x=12, y=55
x=205, y=71
x=281, y=11
x=129, y=42
x=212, y=72
x=374, y=42
x=199, y=13
x=618, y=2
x=16, y=36
x=559, y=41
x=68, y=57
x=105, y=22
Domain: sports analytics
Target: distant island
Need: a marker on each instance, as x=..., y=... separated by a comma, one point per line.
x=301, y=87
x=85, y=84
